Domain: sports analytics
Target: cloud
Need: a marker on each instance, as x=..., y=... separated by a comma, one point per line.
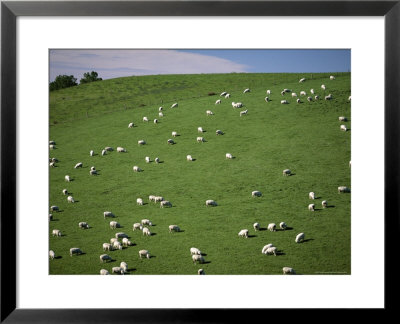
x=118, y=63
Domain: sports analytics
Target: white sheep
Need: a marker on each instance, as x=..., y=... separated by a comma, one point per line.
x=109, y=149
x=332, y=77
x=52, y=146
x=114, y=224
x=211, y=203
x=160, y=114
x=201, y=272
x=271, y=250
x=284, y=102
x=107, y=247
x=282, y=225
x=144, y=253
x=113, y=240
x=303, y=93
x=209, y=113
x=165, y=203
x=137, y=226
x=298, y=100
x=256, y=193
x=194, y=251
x=74, y=251
x=218, y=102
x=92, y=168
x=286, y=172
x=117, y=245
x=91, y=153
x=311, y=195
x=219, y=132
x=103, y=152
x=155, y=121
x=189, y=158
x=121, y=149
x=52, y=164
x=104, y=272
x=312, y=91
x=324, y=203
x=158, y=199
x=160, y=108
x=65, y=192
x=145, y=119
x=108, y=214
x=118, y=270
x=349, y=99
x=288, y=270
x=70, y=199
x=198, y=258
x=243, y=112
x=141, y=142
x=227, y=96
x=136, y=168
x=294, y=94
x=309, y=99
x=174, y=228
x=272, y=227
x=316, y=97
x=299, y=237
x=342, y=118
x=228, y=156
x=343, y=189
x=200, y=139
x=56, y=232
x=124, y=266
x=246, y=90
x=67, y=178
x=244, y=233
x=256, y=226
x=328, y=97
x=50, y=217
x=302, y=80
x=266, y=99
x=170, y=141
x=52, y=143
x=126, y=242
x=311, y=207
x=146, y=231
x=54, y=208
x=157, y=160
x=139, y=201
x=174, y=134
x=105, y=258
x=237, y=104
x=174, y=105
x=52, y=255
x=323, y=87
x=223, y=94
x=120, y=235
x=266, y=247
x=130, y=125
x=146, y=222
x=200, y=129
x=268, y=92
x=93, y=172
x=282, y=93
x=83, y=225
x=343, y=128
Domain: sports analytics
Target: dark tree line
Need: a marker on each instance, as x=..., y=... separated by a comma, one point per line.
x=66, y=81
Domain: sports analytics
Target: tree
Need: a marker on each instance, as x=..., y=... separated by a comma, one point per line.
x=63, y=81
x=90, y=77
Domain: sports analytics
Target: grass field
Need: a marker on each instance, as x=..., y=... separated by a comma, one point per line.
x=305, y=138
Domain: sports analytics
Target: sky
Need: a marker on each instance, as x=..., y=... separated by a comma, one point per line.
x=114, y=63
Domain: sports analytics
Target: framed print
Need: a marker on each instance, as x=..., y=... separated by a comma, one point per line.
x=162, y=37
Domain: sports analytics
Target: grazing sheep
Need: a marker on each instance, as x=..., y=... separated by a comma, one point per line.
x=117, y=245
x=312, y=91
x=160, y=108
x=147, y=159
x=157, y=160
x=316, y=97
x=237, y=104
x=54, y=208
x=298, y=100
x=272, y=227
x=343, y=189
x=227, y=96
x=160, y=114
x=139, y=201
x=256, y=193
x=92, y=168
x=74, y=251
x=174, y=105
x=211, y=203
x=287, y=90
x=103, y=152
x=158, y=199
x=303, y=93
x=124, y=266
x=287, y=270
x=141, y=142
x=266, y=99
x=174, y=134
x=284, y=102
x=70, y=199
x=170, y=141
x=324, y=204
x=309, y=99
x=268, y=92
x=144, y=253
x=105, y=258
x=342, y=118
x=282, y=93
x=146, y=231
x=299, y=237
x=349, y=99
x=52, y=143
x=136, y=168
x=200, y=139
x=52, y=164
x=155, y=121
x=130, y=125
x=126, y=242
x=120, y=235
x=256, y=226
x=244, y=233
x=137, y=226
x=266, y=247
x=332, y=77
x=323, y=86
x=343, y=128
x=145, y=119
x=194, y=250
x=52, y=146
x=93, y=172
x=50, y=217
x=91, y=153
x=108, y=214
x=302, y=80
x=65, y=192
x=294, y=94
x=209, y=113
x=113, y=240
x=121, y=149
x=52, y=255
x=118, y=270
x=328, y=97
x=107, y=247
x=78, y=165
x=311, y=195
x=228, y=156
x=201, y=272
x=56, y=232
x=109, y=149
x=146, y=222
x=223, y=94
x=311, y=207
x=243, y=112
x=67, y=178
x=114, y=224
x=246, y=90
x=165, y=203
x=218, y=102
x=83, y=225
x=189, y=158
x=286, y=172
x=282, y=225
x=219, y=132
x=198, y=258
x=104, y=272
x=174, y=228
x=271, y=250
x=200, y=130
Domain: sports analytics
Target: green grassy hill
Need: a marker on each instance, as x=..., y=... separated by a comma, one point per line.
x=302, y=137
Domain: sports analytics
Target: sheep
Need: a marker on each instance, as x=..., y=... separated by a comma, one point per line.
x=67, y=178
x=144, y=253
x=349, y=99
x=174, y=134
x=136, y=168
x=268, y=92
x=200, y=130
x=282, y=93
x=316, y=97
x=146, y=231
x=56, y=232
x=107, y=247
x=189, y=158
x=283, y=102
x=126, y=242
x=209, y=113
x=219, y=132
x=104, y=272
x=113, y=240
x=324, y=203
x=198, y=258
x=299, y=238
x=312, y=91
x=343, y=128
x=266, y=99
x=109, y=149
x=343, y=189
x=328, y=97
x=157, y=160
x=93, y=172
x=323, y=87
x=65, y=192
x=272, y=227
x=350, y=164
x=237, y=104
x=52, y=146
x=105, y=258
x=201, y=272
x=271, y=250
x=332, y=77
x=256, y=193
x=78, y=165
x=160, y=108
x=54, y=208
x=91, y=153
x=287, y=90
x=311, y=207
x=130, y=125
x=294, y=94
x=70, y=199
x=256, y=227
x=92, y=168
x=55, y=160
x=165, y=203
x=309, y=99
x=103, y=152
x=287, y=270
x=145, y=119
x=311, y=195
x=342, y=118
x=120, y=235
x=52, y=255
x=146, y=222
x=174, y=228
x=223, y=94
x=243, y=112
x=114, y=224
x=303, y=93
x=228, y=156
x=160, y=114
x=199, y=139
x=118, y=270
x=298, y=100
x=302, y=80
x=227, y=96
x=52, y=164
x=139, y=201
x=174, y=105
x=218, y=102
x=282, y=225
x=50, y=217
x=244, y=233
x=121, y=149
x=266, y=247
x=158, y=199
x=117, y=245
x=170, y=141
x=194, y=251
x=74, y=250
x=286, y=172
x=141, y=142
x=137, y=226
x=147, y=159
x=108, y=214
x=124, y=266
x=211, y=203
x=83, y=225
x=52, y=143
x=155, y=121
x=246, y=90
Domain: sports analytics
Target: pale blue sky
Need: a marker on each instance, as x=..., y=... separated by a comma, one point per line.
x=114, y=63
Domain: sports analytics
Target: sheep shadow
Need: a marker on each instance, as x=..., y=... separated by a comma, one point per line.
x=159, y=162
x=130, y=269
x=330, y=206
x=262, y=229
x=193, y=160
x=251, y=236
x=307, y=240
x=278, y=252
x=153, y=234
x=58, y=257
x=205, y=262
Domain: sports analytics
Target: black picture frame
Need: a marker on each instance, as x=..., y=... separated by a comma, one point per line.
x=10, y=10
